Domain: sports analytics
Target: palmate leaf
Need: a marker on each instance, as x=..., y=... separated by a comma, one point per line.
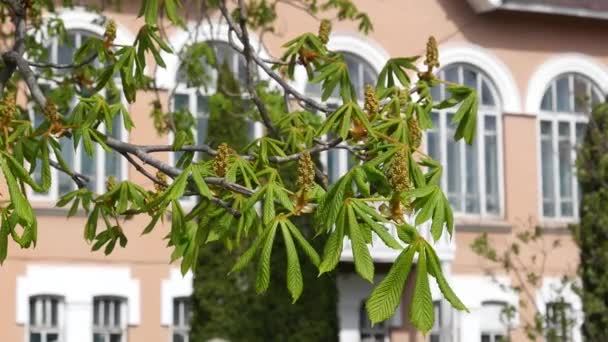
x=364, y=264
x=421, y=309
x=263, y=275
x=430, y=202
x=395, y=71
x=385, y=298
x=295, y=283
x=434, y=267
x=333, y=246
x=466, y=115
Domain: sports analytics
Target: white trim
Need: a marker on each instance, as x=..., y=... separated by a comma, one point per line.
x=560, y=64
x=500, y=74
x=175, y=286
x=552, y=290
x=364, y=47
x=218, y=31
x=474, y=291
x=78, y=18
x=78, y=285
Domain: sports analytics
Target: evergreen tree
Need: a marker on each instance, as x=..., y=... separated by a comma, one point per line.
x=592, y=233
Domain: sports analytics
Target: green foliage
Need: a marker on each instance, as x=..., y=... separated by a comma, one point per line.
x=592, y=171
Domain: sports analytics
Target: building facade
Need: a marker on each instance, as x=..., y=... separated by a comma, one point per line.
x=529, y=61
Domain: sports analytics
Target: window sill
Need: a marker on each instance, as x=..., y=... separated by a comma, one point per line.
x=557, y=226
x=482, y=224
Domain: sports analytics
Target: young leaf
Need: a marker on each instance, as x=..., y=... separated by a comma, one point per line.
x=385, y=298
x=421, y=310
x=364, y=264
x=295, y=283
x=434, y=266
x=263, y=276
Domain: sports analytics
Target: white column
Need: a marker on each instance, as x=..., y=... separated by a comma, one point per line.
x=79, y=318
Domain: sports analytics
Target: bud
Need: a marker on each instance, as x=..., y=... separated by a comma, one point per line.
x=372, y=105
x=324, y=31
x=398, y=173
x=220, y=163
x=50, y=110
x=162, y=181
x=110, y=183
x=415, y=132
x=432, y=54
x=110, y=33
x=306, y=171
x=8, y=107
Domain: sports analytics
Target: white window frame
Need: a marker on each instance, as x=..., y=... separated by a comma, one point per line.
x=43, y=302
x=82, y=25
x=443, y=132
x=114, y=327
x=568, y=312
x=493, y=333
x=573, y=119
x=182, y=327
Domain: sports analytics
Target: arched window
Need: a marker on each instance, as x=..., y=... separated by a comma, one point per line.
x=361, y=73
x=379, y=332
x=565, y=106
x=196, y=99
x=45, y=318
x=182, y=313
x=494, y=322
x=109, y=319
x=102, y=164
x=472, y=173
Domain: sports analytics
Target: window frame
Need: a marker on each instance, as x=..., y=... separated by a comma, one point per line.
x=182, y=304
x=568, y=312
x=365, y=326
x=105, y=329
x=493, y=333
x=573, y=119
x=53, y=193
x=46, y=304
x=442, y=131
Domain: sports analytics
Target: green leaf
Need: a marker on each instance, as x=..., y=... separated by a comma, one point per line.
x=249, y=254
x=438, y=219
x=20, y=204
x=434, y=266
x=421, y=309
x=333, y=247
x=306, y=247
x=263, y=276
x=201, y=185
x=364, y=264
x=385, y=298
x=295, y=283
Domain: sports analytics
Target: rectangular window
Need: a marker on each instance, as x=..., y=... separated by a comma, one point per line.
x=454, y=167
x=45, y=316
x=491, y=165
x=566, y=166
x=182, y=314
x=559, y=321
x=109, y=319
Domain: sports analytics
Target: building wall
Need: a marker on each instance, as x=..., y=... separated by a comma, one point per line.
x=519, y=43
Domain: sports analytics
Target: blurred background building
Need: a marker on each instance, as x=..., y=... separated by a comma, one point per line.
x=530, y=60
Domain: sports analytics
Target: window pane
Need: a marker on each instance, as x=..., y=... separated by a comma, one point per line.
x=54, y=313
x=52, y=337
x=433, y=142
x=181, y=101
x=202, y=105
x=106, y=312
x=472, y=179
x=177, y=307
x=451, y=74
x=333, y=165
x=491, y=161
x=581, y=95
x=32, y=311
x=178, y=338
x=66, y=50
x=581, y=128
x=485, y=338
x=487, y=98
x=565, y=168
x=547, y=169
x=65, y=183
x=469, y=77
x=88, y=167
x=35, y=337
x=115, y=337
x=563, y=95
x=454, y=169
x=547, y=102
x=98, y=338
x=117, y=317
